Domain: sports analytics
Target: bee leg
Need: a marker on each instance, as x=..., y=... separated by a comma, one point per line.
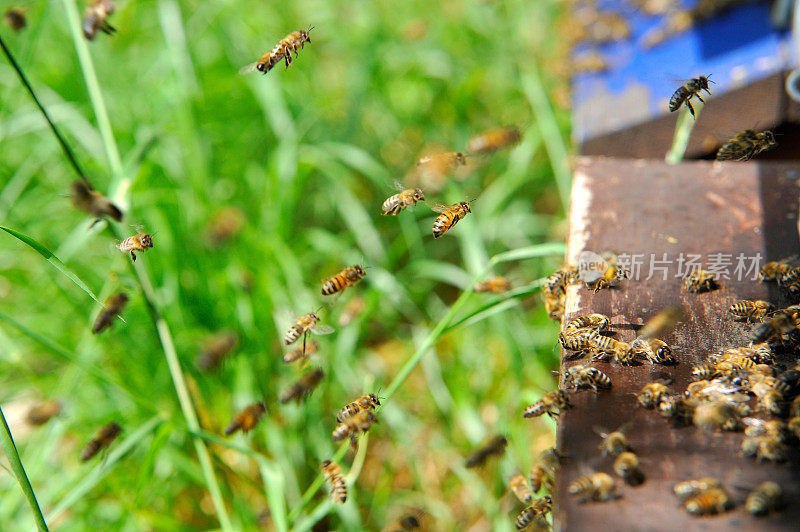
x=305, y=334
x=691, y=109
x=133, y=256
x=699, y=98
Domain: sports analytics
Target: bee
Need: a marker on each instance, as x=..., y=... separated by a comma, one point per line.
x=626, y=466
x=553, y=306
x=354, y=425
x=773, y=428
x=333, y=476
x=247, y=419
x=449, y=216
x=588, y=63
x=343, y=279
x=14, y=17
x=299, y=353
x=612, y=273
x=43, y=412
x=293, y=42
x=614, y=443
x=687, y=91
x=765, y=448
x=496, y=446
x=408, y=197
x=495, y=285
x=580, y=341
x=216, y=349
x=710, y=501
x=794, y=409
x=746, y=145
x=752, y=311
x=535, y=512
x=441, y=164
x=772, y=271
x=111, y=310
x=653, y=350
x=677, y=408
x=556, y=284
x=410, y=521
x=595, y=487
x=140, y=242
x=104, y=437
x=300, y=389
x=793, y=426
x=700, y=281
x=704, y=372
x=662, y=322
x=519, y=487
x=583, y=377
x=770, y=399
x=690, y=488
x=551, y=404
x=788, y=381
x=605, y=347
x=765, y=498
x=652, y=394
x=365, y=402
x=717, y=415
x=96, y=18
x=494, y=139
x=597, y=322
x=90, y=201
x=308, y=322
x=540, y=476
x=777, y=327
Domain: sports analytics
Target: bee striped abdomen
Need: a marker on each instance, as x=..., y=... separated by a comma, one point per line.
x=294, y=333
x=443, y=223
x=333, y=285
x=678, y=97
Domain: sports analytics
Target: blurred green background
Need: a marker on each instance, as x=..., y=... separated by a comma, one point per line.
x=300, y=160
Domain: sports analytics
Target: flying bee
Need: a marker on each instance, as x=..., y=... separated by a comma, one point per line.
x=689, y=488
x=299, y=353
x=764, y=499
x=333, y=476
x=776, y=327
x=581, y=377
x=541, y=476
x=614, y=443
x=700, y=281
x=104, y=437
x=247, y=419
x=343, y=279
x=687, y=91
x=495, y=285
x=653, y=350
x=449, y=216
x=14, y=17
x=492, y=140
x=301, y=388
x=551, y=404
x=652, y=394
x=596, y=321
x=746, y=145
x=408, y=197
x=662, y=322
x=111, y=309
x=90, y=201
x=716, y=415
x=365, y=402
x=772, y=271
x=96, y=18
x=626, y=466
x=410, y=521
x=216, y=349
x=595, y=487
x=710, y=501
x=519, y=487
x=556, y=284
x=441, y=164
x=308, y=322
x=293, y=42
x=354, y=425
x=535, y=512
x=773, y=428
x=140, y=242
x=43, y=412
x=752, y=311
x=553, y=307
x=495, y=446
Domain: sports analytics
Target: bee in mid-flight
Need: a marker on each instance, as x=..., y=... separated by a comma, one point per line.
x=299, y=353
x=449, y=216
x=493, y=140
x=104, y=437
x=96, y=18
x=614, y=443
x=519, y=487
x=140, y=242
x=365, y=402
x=14, y=17
x=746, y=145
x=536, y=512
x=495, y=285
x=307, y=322
x=246, y=419
x=293, y=42
x=496, y=446
x=91, y=201
x=302, y=388
x=441, y=164
x=343, y=279
x=700, y=281
x=551, y=404
x=354, y=425
x=595, y=487
x=43, y=412
x=216, y=349
x=407, y=197
x=333, y=476
x=626, y=466
x=687, y=91
x=111, y=310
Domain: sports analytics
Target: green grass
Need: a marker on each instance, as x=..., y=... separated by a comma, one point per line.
x=167, y=128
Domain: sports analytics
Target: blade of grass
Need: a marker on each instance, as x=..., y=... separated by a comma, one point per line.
x=314, y=487
x=19, y=471
x=491, y=308
x=683, y=131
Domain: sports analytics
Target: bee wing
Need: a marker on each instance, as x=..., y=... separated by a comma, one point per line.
x=600, y=431
x=439, y=207
x=397, y=185
x=248, y=68
x=321, y=328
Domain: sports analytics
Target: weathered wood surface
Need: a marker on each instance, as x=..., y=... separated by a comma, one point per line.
x=647, y=207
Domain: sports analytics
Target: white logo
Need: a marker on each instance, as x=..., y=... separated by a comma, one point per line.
x=591, y=266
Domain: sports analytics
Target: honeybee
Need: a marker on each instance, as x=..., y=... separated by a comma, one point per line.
x=580, y=341
x=343, y=279
x=293, y=42
x=710, y=501
x=765, y=498
x=596, y=321
x=793, y=426
x=556, y=284
x=104, y=437
x=580, y=377
x=43, y=412
x=441, y=164
x=365, y=402
x=299, y=353
x=769, y=398
x=300, y=389
x=111, y=309
x=216, y=349
x=621, y=352
x=765, y=448
x=14, y=17
x=689, y=488
x=704, y=372
x=700, y=281
x=626, y=466
x=614, y=443
x=794, y=409
x=776, y=327
x=595, y=487
x=687, y=91
x=540, y=476
x=96, y=18
x=662, y=322
x=612, y=273
x=652, y=394
x=773, y=428
x=493, y=140
x=746, y=145
x=553, y=307
x=247, y=419
x=495, y=285
x=333, y=476
x=716, y=415
x=535, y=512
x=752, y=311
x=495, y=446
x=92, y=202
x=408, y=197
x=308, y=322
x=551, y=404
x=354, y=425
x=772, y=271
x=679, y=409
x=519, y=487
x=449, y=216
x=353, y=308
x=140, y=242
x=654, y=350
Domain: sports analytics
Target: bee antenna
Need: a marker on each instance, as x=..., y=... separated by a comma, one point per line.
x=310, y=28
x=473, y=199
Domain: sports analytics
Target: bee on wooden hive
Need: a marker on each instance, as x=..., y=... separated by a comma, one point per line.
x=716, y=415
x=299, y=353
x=14, y=17
x=752, y=311
x=687, y=91
x=354, y=425
x=614, y=443
x=609, y=275
x=495, y=446
x=765, y=498
x=519, y=487
x=605, y=347
x=653, y=350
x=407, y=197
x=594, y=487
x=216, y=349
x=580, y=377
x=247, y=419
x=104, y=437
x=495, y=285
x=700, y=281
x=535, y=513
x=449, y=216
x=551, y=404
x=765, y=448
x=365, y=402
x=333, y=476
x=776, y=328
x=42, y=412
x=581, y=341
x=709, y=502
x=90, y=201
x=111, y=310
x=307, y=322
x=597, y=322
x=140, y=243
x=689, y=488
x=772, y=428
x=679, y=409
x=774, y=270
x=343, y=279
x=96, y=18
x=652, y=394
x=746, y=145
x=303, y=387
x=494, y=139
x=293, y=42
x=626, y=466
